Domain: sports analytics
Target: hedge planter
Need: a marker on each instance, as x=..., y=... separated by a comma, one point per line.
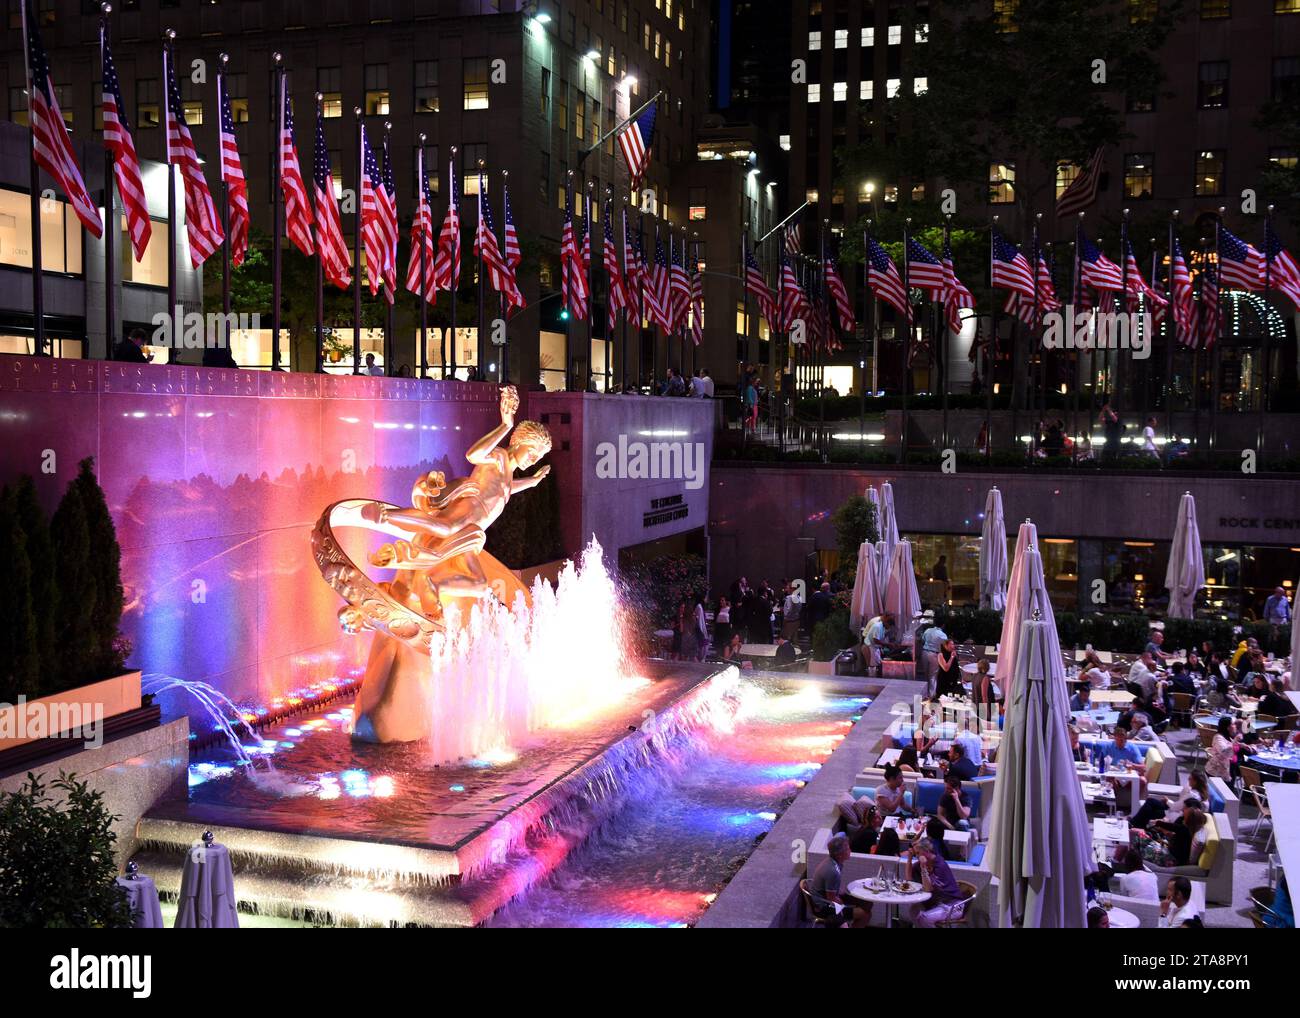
x=50, y=716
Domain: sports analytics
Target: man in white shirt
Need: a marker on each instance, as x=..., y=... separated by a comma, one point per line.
x=1149, y=438
x=705, y=383
x=1132, y=879
x=972, y=744
x=1177, y=907
x=1143, y=675
x=371, y=367
x=697, y=386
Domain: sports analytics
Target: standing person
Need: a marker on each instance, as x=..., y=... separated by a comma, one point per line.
x=131, y=349
x=758, y=618
x=371, y=367
x=1149, y=439
x=679, y=631
x=706, y=382
x=819, y=606
x=722, y=625
x=750, y=402
x=1111, y=427
x=1277, y=612
x=931, y=643
x=673, y=384
x=948, y=679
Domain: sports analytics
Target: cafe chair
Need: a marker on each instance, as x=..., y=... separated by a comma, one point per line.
x=1182, y=705
x=1259, y=796
x=959, y=911
x=807, y=912
x=1261, y=898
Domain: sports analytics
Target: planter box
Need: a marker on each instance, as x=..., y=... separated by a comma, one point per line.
x=50, y=716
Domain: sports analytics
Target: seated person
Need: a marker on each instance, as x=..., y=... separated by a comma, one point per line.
x=1118, y=748
x=972, y=743
x=1142, y=678
x=1221, y=697
x=879, y=636
x=1177, y=909
x=1159, y=807
x=1076, y=750
x=889, y=796
x=959, y=764
x=887, y=844
x=954, y=808
x=1155, y=647
x=827, y=902
x=1082, y=699
x=1276, y=702
x=936, y=877
x=1180, y=681
x=864, y=836
x=1140, y=729
x=1194, y=670
x=1179, y=843
x=785, y=653
x=1132, y=879
x=1098, y=918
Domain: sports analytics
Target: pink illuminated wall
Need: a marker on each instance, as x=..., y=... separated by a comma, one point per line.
x=215, y=478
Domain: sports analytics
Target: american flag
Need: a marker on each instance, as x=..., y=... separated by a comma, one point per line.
x=1137, y=287
x=794, y=303
x=486, y=247
x=679, y=285
x=513, y=256
x=697, y=303
x=756, y=284
x=202, y=226
x=1082, y=191
x=1283, y=273
x=1022, y=305
x=617, y=300
x=835, y=287
x=126, y=166
x=884, y=280
x=658, y=288
x=791, y=239
x=573, y=280
x=955, y=295
x=1010, y=269
x=329, y=228
x=389, y=210
x=297, y=209
x=1207, y=327
x=1240, y=265
x=232, y=172
x=1184, y=297
x=639, y=281
x=635, y=140
x=924, y=270
x=50, y=142
x=446, y=265
x=374, y=233
x=1095, y=269
x=422, y=240
x=632, y=271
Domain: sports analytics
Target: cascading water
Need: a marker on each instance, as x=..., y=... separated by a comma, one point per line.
x=502, y=674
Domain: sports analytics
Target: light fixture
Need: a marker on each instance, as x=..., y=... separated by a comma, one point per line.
x=629, y=80
x=592, y=55
x=542, y=18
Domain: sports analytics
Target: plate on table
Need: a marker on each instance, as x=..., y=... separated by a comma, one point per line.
x=876, y=884
x=908, y=887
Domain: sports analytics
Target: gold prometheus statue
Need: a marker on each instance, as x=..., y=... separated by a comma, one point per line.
x=436, y=555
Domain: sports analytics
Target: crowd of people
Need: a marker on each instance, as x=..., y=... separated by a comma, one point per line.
x=715, y=628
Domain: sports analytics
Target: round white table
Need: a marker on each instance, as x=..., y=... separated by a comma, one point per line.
x=1122, y=919
x=890, y=899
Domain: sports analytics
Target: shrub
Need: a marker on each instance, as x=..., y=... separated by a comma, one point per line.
x=831, y=635
x=56, y=859
x=653, y=590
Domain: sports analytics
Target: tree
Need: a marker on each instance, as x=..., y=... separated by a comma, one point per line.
x=19, y=661
x=855, y=522
x=56, y=859
x=107, y=652
x=73, y=654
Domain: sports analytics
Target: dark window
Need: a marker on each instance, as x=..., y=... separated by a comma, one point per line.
x=1212, y=86
x=426, y=86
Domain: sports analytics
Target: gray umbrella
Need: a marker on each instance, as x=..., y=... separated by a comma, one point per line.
x=865, y=603
x=1185, y=575
x=888, y=532
x=993, y=554
x=1040, y=846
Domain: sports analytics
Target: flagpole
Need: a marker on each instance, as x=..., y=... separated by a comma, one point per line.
x=168, y=70
x=1218, y=315
x=503, y=371
x=640, y=298
x=583, y=153
x=356, y=247
x=696, y=312
x=1076, y=288
x=110, y=227
x=1171, y=331
x=590, y=272
x=275, y=213
x=38, y=281
x=1265, y=353
x=868, y=328
x=825, y=340
x=453, y=275
x=991, y=366
x=947, y=245
x=778, y=226
x=744, y=288
x=622, y=360
x=568, y=312
x=1033, y=315
x=482, y=296
x=224, y=58
x=907, y=346
x=654, y=333
x=320, y=268
x=609, y=324
x=390, y=284
x=424, y=258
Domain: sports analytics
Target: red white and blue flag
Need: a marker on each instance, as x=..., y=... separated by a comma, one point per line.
x=617, y=299
x=635, y=140
x=1009, y=269
x=232, y=174
x=884, y=280
x=202, y=226
x=756, y=284
x=297, y=208
x=1283, y=275
x=679, y=285
x=446, y=265
x=573, y=279
x=1240, y=265
x=374, y=231
x=924, y=270
x=660, y=287
x=513, y=256
x=794, y=302
x=1138, y=288
x=697, y=303
x=50, y=143
x=956, y=297
x=486, y=247
x=835, y=287
x=1082, y=191
x=1184, y=297
x=1096, y=270
x=389, y=211
x=419, y=270
x=1022, y=305
x=332, y=248
x=126, y=166
x=1207, y=326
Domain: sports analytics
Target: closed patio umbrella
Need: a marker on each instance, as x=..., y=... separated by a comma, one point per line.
x=993, y=554
x=888, y=531
x=1040, y=846
x=901, y=596
x=1295, y=645
x=1185, y=574
x=865, y=603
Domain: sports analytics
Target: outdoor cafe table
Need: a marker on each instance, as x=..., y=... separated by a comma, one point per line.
x=1212, y=721
x=890, y=899
x=1284, y=802
x=1110, y=830
x=1104, y=718
x=1288, y=761
x=758, y=649
x=1132, y=777
x=1112, y=696
x=1122, y=919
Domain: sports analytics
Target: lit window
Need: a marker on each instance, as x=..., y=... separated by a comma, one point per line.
x=868, y=37
x=1212, y=85
x=1002, y=183
x=895, y=34
x=785, y=143
x=814, y=41
x=922, y=33
x=1005, y=12
x=841, y=38
x=328, y=84
x=866, y=89
x=426, y=86
x=1138, y=175
x=814, y=93
x=1209, y=172
x=1284, y=158
x=1065, y=175
x=476, y=84
x=376, y=90
x=892, y=86
x=920, y=86
x=1216, y=9
x=841, y=91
